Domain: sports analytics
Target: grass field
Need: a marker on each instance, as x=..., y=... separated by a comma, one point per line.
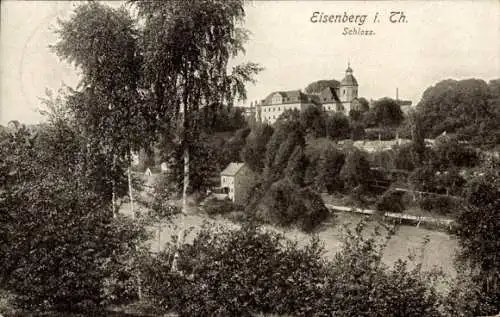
x=438, y=252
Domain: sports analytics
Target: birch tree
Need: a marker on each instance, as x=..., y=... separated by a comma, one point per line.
x=102, y=43
x=187, y=47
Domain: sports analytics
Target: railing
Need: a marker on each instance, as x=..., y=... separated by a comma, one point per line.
x=448, y=223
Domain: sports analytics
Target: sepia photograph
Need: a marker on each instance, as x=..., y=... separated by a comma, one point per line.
x=226, y=158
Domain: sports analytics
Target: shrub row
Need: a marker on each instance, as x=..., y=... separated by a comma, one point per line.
x=250, y=271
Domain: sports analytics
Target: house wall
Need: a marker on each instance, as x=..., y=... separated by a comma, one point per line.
x=271, y=113
x=244, y=181
x=229, y=182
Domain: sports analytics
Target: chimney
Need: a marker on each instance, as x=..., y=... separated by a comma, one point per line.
x=397, y=93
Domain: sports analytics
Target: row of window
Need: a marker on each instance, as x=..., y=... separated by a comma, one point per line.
x=279, y=100
x=271, y=109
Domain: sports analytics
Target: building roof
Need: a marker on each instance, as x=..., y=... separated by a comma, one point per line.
x=232, y=169
x=329, y=94
x=290, y=96
x=349, y=80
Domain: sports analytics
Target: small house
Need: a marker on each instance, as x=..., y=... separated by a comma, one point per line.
x=237, y=179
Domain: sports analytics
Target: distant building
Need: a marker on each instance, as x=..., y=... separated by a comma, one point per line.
x=237, y=179
x=342, y=98
x=339, y=98
x=269, y=109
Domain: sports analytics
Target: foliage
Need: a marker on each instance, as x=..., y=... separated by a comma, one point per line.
x=406, y=157
x=296, y=167
x=390, y=201
x=288, y=134
x=62, y=243
x=357, y=131
x=441, y=205
x=423, y=179
x=203, y=163
x=318, y=86
x=214, y=206
x=449, y=152
x=249, y=271
x=337, y=126
x=428, y=179
x=108, y=106
x=385, y=112
x=479, y=241
x=186, y=49
x=253, y=153
x=222, y=119
x=355, y=115
x=286, y=204
x=469, y=108
x=164, y=192
x=231, y=150
x=328, y=169
x=364, y=105
x=313, y=120
x=356, y=170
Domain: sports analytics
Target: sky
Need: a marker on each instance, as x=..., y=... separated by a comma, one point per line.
x=436, y=40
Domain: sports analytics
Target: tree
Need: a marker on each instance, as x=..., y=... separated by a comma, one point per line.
x=108, y=105
x=313, y=120
x=364, y=105
x=337, y=126
x=231, y=150
x=286, y=204
x=478, y=256
x=467, y=107
x=356, y=169
x=296, y=166
x=254, y=151
x=318, y=86
x=450, y=153
x=61, y=244
x=203, y=167
x=186, y=49
x=288, y=134
x=386, y=113
x=328, y=169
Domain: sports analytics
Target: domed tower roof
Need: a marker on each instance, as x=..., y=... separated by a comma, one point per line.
x=349, y=79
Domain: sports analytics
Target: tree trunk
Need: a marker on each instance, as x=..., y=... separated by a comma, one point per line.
x=129, y=175
x=113, y=186
x=180, y=235
x=186, y=181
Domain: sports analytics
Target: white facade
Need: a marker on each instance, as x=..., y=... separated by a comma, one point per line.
x=237, y=179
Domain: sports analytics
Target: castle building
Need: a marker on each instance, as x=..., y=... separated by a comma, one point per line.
x=269, y=109
x=340, y=97
x=343, y=97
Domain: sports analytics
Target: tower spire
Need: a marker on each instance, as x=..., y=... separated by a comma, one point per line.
x=348, y=71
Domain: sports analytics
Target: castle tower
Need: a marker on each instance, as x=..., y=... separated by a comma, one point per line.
x=348, y=86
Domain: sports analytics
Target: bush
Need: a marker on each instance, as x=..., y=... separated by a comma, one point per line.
x=249, y=271
x=390, y=201
x=235, y=273
x=286, y=204
x=441, y=205
x=214, y=206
